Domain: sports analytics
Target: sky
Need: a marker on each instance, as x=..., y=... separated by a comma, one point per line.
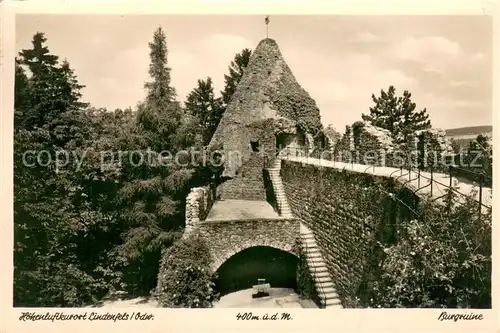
x=444, y=61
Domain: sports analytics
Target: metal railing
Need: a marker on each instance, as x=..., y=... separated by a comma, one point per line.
x=449, y=189
x=417, y=175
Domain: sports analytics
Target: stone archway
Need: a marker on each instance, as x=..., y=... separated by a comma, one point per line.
x=242, y=269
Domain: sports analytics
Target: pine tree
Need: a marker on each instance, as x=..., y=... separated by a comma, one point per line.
x=236, y=69
x=159, y=91
x=38, y=58
x=53, y=87
x=398, y=115
x=151, y=200
x=201, y=104
x=159, y=115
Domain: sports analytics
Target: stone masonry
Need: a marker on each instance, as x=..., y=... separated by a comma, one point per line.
x=248, y=184
x=198, y=204
x=226, y=238
x=336, y=224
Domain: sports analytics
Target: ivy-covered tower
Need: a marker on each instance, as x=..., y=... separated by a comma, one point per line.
x=269, y=109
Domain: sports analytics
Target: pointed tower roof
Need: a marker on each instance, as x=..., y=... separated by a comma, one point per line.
x=267, y=90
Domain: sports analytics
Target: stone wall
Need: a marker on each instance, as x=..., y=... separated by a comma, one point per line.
x=347, y=213
x=226, y=238
x=199, y=201
x=248, y=184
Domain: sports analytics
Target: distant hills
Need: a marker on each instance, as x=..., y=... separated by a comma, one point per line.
x=464, y=135
x=472, y=130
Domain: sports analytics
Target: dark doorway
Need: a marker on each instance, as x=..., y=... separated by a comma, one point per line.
x=280, y=141
x=242, y=270
x=255, y=145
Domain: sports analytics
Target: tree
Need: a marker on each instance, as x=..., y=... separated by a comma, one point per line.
x=38, y=58
x=159, y=115
x=159, y=90
x=151, y=197
x=54, y=215
x=398, y=115
x=202, y=105
x=53, y=87
x=236, y=69
x=479, y=152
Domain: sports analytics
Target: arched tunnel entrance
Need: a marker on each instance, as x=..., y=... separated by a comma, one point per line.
x=242, y=270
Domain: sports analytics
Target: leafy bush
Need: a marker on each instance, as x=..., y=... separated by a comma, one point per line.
x=439, y=260
x=185, y=279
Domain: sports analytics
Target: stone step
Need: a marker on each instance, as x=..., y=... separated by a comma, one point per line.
x=333, y=303
x=309, y=242
x=322, y=279
x=313, y=253
x=310, y=249
x=314, y=258
x=332, y=299
x=316, y=254
x=321, y=270
x=325, y=286
x=329, y=295
x=310, y=246
x=326, y=291
x=321, y=274
x=334, y=306
x=315, y=264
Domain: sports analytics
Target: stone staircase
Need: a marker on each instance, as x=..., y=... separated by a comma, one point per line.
x=279, y=191
x=324, y=285
x=326, y=290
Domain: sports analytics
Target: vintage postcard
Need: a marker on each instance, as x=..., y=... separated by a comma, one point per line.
x=241, y=166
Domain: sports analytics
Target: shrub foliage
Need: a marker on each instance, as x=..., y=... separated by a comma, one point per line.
x=185, y=279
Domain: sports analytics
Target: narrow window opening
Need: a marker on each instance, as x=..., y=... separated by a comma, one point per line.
x=255, y=145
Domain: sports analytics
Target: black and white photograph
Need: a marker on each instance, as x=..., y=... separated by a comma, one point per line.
x=253, y=161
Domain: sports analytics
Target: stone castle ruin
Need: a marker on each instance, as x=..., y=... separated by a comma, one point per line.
x=291, y=211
